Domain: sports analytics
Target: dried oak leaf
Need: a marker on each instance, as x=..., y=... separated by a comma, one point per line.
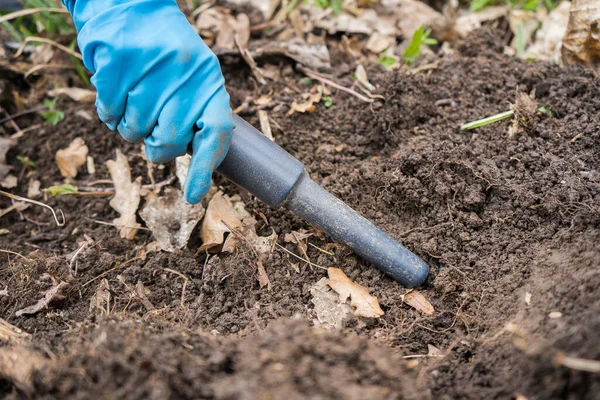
x=54, y=293
x=415, y=299
x=171, y=218
x=331, y=314
x=581, y=44
x=365, y=305
x=308, y=105
x=222, y=214
x=70, y=159
x=127, y=196
x=548, y=39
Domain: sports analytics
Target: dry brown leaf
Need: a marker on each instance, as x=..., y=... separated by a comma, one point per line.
x=581, y=44
x=56, y=292
x=171, y=218
x=548, y=39
x=365, y=305
x=361, y=77
x=527, y=22
x=412, y=14
x=415, y=299
x=5, y=145
x=377, y=42
x=76, y=94
x=470, y=21
x=222, y=213
x=261, y=245
x=127, y=196
x=218, y=25
x=331, y=314
x=308, y=105
x=70, y=159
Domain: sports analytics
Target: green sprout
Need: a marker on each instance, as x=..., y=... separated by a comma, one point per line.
x=52, y=116
x=27, y=162
x=527, y=5
x=545, y=110
x=387, y=61
x=61, y=190
x=420, y=38
x=498, y=117
x=327, y=101
x=306, y=81
x=335, y=5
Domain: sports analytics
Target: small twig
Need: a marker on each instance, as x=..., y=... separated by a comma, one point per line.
x=44, y=66
x=23, y=131
x=14, y=253
x=79, y=250
x=322, y=79
x=38, y=203
x=141, y=292
x=185, y=281
x=119, y=226
x=12, y=122
x=300, y=258
x=109, y=271
x=423, y=355
x=20, y=114
x=47, y=41
x=265, y=126
x=29, y=11
x=320, y=249
x=246, y=56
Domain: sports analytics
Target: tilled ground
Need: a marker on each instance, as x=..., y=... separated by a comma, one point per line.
x=499, y=220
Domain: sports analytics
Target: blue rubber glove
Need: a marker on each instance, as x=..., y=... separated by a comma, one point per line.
x=157, y=81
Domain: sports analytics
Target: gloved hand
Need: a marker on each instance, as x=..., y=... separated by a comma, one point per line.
x=157, y=81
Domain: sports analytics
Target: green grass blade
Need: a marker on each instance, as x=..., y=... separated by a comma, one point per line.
x=486, y=121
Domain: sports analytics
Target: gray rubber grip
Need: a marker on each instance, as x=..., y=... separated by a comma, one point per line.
x=260, y=166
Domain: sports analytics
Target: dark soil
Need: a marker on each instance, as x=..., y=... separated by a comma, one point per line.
x=498, y=219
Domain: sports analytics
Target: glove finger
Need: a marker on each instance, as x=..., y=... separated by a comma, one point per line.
x=142, y=110
x=210, y=146
x=173, y=131
x=111, y=99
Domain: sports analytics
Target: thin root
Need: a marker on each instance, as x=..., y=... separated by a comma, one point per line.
x=38, y=203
